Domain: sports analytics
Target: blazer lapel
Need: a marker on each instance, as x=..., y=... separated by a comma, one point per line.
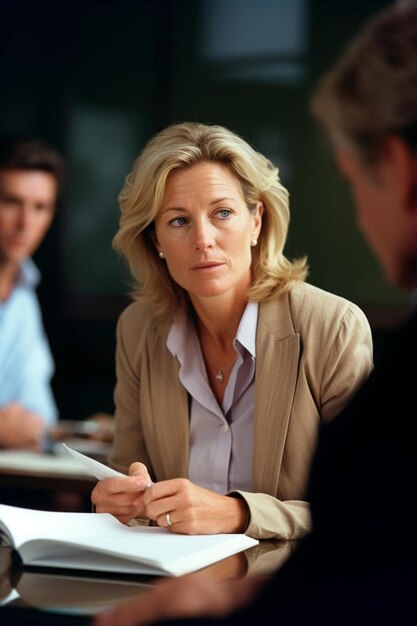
x=277, y=358
x=167, y=420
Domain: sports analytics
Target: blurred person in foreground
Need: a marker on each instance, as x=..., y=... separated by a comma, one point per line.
x=359, y=564
x=31, y=177
x=228, y=361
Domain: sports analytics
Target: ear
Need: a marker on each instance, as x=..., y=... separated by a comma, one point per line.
x=397, y=168
x=257, y=219
x=155, y=240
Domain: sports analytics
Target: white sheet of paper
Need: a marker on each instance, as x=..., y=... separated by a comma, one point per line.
x=95, y=468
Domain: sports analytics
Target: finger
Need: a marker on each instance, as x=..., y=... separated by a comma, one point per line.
x=157, y=508
x=115, y=510
x=163, y=489
x=137, y=469
x=129, y=484
x=116, y=501
x=140, y=470
x=124, y=514
x=101, y=497
x=166, y=520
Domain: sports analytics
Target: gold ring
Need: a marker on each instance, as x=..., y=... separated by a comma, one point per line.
x=168, y=519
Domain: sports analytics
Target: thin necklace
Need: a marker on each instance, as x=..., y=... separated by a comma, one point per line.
x=220, y=374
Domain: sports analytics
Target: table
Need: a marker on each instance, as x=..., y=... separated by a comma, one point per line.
x=45, y=596
x=46, y=481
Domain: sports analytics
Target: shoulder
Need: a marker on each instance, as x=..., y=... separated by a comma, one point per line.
x=306, y=308
x=137, y=324
x=133, y=313
x=326, y=318
x=24, y=306
x=134, y=321
x=306, y=300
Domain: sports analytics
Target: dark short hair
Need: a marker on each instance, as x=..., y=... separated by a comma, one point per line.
x=31, y=153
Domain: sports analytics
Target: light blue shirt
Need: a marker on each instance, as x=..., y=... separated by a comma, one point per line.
x=26, y=364
x=221, y=437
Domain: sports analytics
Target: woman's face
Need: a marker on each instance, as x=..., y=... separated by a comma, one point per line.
x=205, y=230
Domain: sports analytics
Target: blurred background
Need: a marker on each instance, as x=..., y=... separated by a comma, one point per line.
x=97, y=78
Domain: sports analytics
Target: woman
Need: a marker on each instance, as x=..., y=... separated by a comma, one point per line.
x=227, y=361
x=353, y=568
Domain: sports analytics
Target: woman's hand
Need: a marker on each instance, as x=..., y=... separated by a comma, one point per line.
x=183, y=507
x=123, y=497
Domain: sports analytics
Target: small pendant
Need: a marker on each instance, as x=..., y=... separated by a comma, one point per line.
x=219, y=376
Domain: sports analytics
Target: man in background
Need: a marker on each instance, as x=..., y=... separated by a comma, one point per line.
x=31, y=177
x=359, y=564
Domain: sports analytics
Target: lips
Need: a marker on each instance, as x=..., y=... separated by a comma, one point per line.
x=18, y=242
x=208, y=266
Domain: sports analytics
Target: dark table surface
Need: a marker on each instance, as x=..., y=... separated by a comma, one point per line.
x=46, y=596
x=59, y=597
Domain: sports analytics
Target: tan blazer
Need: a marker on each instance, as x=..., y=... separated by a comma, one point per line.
x=313, y=350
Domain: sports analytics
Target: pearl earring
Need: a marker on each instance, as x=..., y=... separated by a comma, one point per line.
x=253, y=242
x=161, y=255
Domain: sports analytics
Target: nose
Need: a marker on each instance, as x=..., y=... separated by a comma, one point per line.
x=26, y=217
x=204, y=236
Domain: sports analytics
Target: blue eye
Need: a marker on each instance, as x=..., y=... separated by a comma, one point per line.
x=178, y=221
x=224, y=213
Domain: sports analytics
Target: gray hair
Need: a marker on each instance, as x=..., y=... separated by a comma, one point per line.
x=372, y=90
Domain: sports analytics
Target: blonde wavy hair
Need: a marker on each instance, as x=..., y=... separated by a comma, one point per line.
x=181, y=146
